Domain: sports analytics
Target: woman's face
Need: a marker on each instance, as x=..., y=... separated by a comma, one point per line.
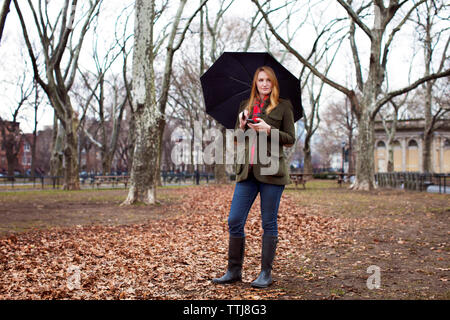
x=263, y=83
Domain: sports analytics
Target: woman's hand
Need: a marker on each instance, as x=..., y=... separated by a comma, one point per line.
x=243, y=117
x=261, y=126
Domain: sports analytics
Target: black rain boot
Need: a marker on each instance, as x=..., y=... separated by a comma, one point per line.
x=235, y=259
x=269, y=246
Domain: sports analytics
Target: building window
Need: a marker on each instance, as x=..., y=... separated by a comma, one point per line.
x=381, y=163
x=447, y=144
x=397, y=148
x=412, y=143
x=446, y=156
x=412, y=156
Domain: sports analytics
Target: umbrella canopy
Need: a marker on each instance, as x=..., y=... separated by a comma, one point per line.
x=228, y=82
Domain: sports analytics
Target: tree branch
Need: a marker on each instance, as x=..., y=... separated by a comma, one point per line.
x=355, y=18
x=357, y=62
x=316, y=72
x=4, y=13
x=30, y=49
x=183, y=34
x=414, y=85
x=395, y=30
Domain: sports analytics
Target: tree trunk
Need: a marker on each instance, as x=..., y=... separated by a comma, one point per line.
x=132, y=138
x=106, y=163
x=145, y=109
x=71, y=179
x=33, y=146
x=162, y=125
x=56, y=159
x=390, y=162
x=365, y=170
x=426, y=150
x=307, y=162
x=351, y=162
x=220, y=173
x=428, y=129
x=390, y=149
x=11, y=159
x=143, y=174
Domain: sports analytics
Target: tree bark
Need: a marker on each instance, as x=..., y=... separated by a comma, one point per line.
x=71, y=179
x=220, y=173
x=428, y=130
x=307, y=163
x=365, y=169
x=145, y=109
x=56, y=160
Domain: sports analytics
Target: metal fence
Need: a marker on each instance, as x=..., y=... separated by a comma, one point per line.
x=169, y=177
x=414, y=181
x=44, y=182
x=101, y=181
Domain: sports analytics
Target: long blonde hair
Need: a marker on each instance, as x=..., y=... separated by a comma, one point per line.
x=274, y=95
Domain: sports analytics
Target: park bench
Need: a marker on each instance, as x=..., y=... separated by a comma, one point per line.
x=300, y=178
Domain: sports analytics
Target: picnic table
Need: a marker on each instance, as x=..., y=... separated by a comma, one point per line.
x=341, y=177
x=113, y=180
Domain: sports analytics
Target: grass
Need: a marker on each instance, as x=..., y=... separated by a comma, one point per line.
x=329, y=197
x=90, y=195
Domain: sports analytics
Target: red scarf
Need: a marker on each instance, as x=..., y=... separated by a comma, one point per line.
x=257, y=109
x=257, y=106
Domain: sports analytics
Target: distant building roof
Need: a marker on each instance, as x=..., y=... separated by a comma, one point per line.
x=413, y=125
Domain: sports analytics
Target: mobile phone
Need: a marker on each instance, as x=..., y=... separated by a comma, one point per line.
x=251, y=121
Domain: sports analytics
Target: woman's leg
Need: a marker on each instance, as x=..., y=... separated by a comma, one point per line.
x=270, y=201
x=244, y=195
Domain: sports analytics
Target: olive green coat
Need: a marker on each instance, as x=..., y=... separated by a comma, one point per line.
x=281, y=118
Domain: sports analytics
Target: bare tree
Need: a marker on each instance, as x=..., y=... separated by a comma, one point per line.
x=12, y=137
x=338, y=125
x=60, y=74
x=372, y=99
x=428, y=21
x=36, y=104
x=3, y=15
x=147, y=111
x=110, y=105
x=389, y=121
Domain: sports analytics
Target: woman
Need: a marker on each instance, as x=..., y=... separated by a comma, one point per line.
x=268, y=113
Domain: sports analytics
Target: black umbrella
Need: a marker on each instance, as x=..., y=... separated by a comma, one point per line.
x=228, y=82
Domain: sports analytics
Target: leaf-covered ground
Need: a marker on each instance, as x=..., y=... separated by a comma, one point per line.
x=82, y=245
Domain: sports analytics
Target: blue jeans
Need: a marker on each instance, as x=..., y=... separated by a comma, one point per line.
x=245, y=193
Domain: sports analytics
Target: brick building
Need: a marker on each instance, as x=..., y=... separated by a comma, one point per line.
x=12, y=138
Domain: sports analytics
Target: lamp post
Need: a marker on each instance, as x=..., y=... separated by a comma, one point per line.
x=343, y=155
